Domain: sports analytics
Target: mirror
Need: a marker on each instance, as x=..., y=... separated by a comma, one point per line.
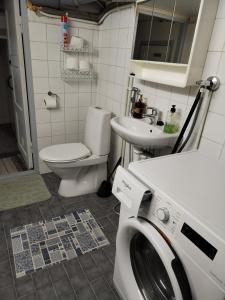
x=165, y=30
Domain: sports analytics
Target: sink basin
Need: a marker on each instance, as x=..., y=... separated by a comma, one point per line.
x=140, y=133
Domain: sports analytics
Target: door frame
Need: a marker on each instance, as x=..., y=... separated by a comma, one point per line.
x=29, y=83
x=30, y=93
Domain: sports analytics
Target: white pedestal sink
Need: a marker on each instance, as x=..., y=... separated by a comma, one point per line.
x=141, y=134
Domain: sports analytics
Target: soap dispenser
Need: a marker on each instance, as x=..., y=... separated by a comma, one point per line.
x=172, y=121
x=139, y=108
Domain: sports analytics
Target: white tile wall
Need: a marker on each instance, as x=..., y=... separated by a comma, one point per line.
x=114, y=53
x=114, y=47
x=210, y=148
x=38, y=50
x=38, y=32
x=58, y=125
x=213, y=138
x=218, y=38
x=111, y=43
x=221, y=10
x=115, y=40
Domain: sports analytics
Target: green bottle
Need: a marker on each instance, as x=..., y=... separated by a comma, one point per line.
x=172, y=121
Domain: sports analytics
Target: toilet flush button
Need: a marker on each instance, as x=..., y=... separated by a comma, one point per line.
x=163, y=214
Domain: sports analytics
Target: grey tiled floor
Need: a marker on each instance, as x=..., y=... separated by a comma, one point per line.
x=88, y=277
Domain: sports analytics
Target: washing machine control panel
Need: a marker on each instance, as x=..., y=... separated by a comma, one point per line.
x=164, y=213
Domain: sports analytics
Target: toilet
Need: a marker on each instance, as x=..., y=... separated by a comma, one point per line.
x=82, y=167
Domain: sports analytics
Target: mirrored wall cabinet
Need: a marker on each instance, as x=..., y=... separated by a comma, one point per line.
x=171, y=40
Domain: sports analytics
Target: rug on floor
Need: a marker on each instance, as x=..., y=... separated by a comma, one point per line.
x=22, y=190
x=48, y=242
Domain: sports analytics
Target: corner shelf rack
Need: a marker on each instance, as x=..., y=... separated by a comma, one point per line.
x=73, y=75
x=73, y=50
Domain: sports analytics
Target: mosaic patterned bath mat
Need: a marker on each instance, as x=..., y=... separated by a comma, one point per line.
x=41, y=244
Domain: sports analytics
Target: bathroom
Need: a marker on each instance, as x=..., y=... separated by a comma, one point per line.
x=55, y=112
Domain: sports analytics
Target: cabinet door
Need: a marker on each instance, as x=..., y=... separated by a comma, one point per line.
x=182, y=31
x=159, y=47
x=165, y=30
x=143, y=30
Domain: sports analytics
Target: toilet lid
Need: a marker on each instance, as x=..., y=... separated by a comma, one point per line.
x=64, y=152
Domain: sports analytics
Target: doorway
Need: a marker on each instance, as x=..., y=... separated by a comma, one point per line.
x=15, y=136
x=11, y=160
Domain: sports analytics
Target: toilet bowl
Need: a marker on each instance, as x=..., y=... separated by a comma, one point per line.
x=82, y=167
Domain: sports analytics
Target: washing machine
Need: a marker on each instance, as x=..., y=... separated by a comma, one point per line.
x=171, y=237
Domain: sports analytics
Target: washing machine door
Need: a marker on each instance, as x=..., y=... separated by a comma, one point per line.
x=149, y=268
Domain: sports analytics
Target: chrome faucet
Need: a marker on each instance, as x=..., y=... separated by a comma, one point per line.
x=152, y=116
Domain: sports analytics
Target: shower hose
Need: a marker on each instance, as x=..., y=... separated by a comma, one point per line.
x=196, y=107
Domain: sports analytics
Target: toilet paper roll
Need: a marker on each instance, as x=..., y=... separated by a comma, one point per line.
x=84, y=65
x=72, y=62
x=76, y=42
x=50, y=101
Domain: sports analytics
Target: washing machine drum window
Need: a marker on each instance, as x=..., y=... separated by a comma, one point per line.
x=149, y=270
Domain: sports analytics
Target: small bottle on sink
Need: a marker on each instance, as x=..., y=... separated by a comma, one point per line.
x=172, y=121
x=139, y=108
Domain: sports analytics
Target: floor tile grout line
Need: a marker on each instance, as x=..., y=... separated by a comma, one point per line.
x=111, y=222
x=53, y=287
x=85, y=275
x=112, y=262
x=32, y=292
x=10, y=263
x=68, y=277
x=107, y=284
x=35, y=290
x=111, y=289
x=42, y=216
x=101, y=249
x=103, y=274
x=50, y=279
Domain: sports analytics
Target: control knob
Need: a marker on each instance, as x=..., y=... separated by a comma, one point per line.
x=163, y=214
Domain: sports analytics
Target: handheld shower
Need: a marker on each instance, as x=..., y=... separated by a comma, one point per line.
x=212, y=84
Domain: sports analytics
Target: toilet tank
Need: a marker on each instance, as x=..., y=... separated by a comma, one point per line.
x=97, y=131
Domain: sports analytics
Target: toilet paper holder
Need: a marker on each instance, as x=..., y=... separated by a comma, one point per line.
x=53, y=102
x=51, y=93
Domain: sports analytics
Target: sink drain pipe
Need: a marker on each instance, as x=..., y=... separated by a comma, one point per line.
x=128, y=104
